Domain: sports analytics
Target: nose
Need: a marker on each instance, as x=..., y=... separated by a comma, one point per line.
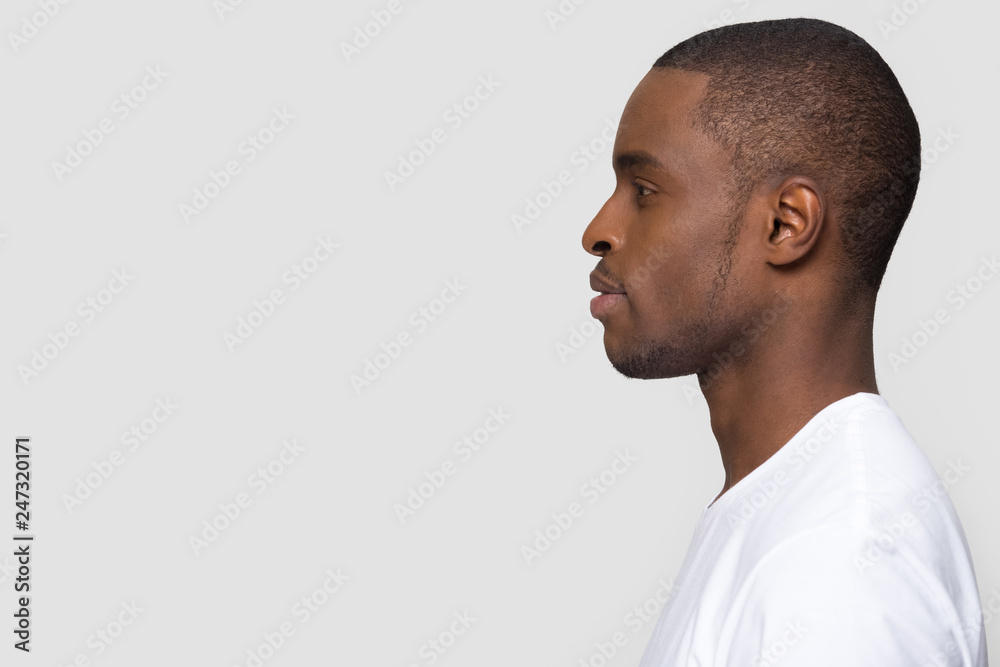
x=604, y=235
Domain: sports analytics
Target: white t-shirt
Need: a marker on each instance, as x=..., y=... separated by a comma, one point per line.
x=843, y=548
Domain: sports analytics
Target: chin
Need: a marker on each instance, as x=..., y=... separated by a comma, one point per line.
x=642, y=363
x=646, y=361
x=631, y=370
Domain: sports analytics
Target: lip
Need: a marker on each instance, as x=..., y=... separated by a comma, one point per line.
x=610, y=296
x=599, y=284
x=600, y=305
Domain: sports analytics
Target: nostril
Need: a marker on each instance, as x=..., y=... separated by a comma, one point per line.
x=602, y=246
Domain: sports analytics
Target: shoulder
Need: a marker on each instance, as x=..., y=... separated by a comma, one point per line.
x=842, y=601
x=854, y=463
x=851, y=533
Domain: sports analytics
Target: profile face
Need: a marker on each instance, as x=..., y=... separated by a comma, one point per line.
x=674, y=292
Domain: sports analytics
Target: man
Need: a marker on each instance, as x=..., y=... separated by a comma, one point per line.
x=764, y=171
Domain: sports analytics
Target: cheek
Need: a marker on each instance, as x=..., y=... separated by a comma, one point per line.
x=670, y=267
x=652, y=254
x=654, y=292
x=671, y=289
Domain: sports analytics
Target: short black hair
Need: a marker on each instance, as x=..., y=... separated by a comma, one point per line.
x=804, y=96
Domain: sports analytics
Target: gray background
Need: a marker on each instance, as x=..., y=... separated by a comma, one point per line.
x=494, y=347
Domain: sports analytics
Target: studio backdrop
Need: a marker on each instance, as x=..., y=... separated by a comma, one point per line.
x=296, y=349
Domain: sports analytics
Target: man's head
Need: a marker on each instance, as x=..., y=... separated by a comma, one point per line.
x=757, y=165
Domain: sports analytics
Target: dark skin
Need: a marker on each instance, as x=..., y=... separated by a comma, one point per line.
x=755, y=310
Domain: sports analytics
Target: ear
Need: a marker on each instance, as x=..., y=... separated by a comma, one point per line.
x=797, y=214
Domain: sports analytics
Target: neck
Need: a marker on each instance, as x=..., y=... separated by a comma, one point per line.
x=761, y=399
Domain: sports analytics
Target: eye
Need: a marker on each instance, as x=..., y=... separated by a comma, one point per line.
x=641, y=190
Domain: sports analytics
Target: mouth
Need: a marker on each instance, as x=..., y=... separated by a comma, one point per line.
x=610, y=296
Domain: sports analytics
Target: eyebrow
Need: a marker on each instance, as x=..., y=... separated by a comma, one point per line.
x=637, y=159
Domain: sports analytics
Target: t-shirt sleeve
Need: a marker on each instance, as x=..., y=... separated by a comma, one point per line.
x=833, y=596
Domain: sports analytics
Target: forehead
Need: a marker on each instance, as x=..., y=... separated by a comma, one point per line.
x=658, y=119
